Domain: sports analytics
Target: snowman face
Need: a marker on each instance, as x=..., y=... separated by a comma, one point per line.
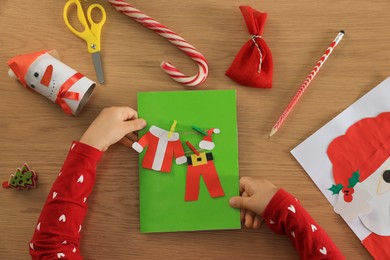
x=40, y=76
x=47, y=74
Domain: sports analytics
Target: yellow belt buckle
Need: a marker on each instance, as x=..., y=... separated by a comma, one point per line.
x=198, y=160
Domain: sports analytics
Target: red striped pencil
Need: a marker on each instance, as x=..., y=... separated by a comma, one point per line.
x=306, y=83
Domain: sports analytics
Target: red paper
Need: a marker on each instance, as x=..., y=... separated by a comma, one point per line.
x=253, y=64
x=161, y=149
x=378, y=246
x=47, y=76
x=21, y=63
x=205, y=168
x=364, y=147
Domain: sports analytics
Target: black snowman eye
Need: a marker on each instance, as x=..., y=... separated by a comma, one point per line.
x=32, y=86
x=386, y=176
x=36, y=74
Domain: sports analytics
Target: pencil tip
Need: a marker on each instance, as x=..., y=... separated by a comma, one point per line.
x=342, y=31
x=273, y=131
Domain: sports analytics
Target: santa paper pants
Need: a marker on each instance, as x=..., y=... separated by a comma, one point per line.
x=210, y=176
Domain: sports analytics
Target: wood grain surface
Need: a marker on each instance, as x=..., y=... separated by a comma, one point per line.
x=36, y=131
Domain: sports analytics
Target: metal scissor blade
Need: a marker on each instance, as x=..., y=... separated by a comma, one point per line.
x=97, y=62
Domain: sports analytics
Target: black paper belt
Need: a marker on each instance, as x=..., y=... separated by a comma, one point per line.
x=209, y=157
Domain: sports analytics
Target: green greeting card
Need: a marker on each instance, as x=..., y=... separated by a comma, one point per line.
x=163, y=205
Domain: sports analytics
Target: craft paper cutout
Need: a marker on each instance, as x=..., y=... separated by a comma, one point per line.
x=364, y=146
x=346, y=191
x=202, y=165
x=22, y=179
x=162, y=196
x=253, y=64
x=161, y=149
x=358, y=139
x=47, y=75
x=378, y=219
x=357, y=203
x=207, y=141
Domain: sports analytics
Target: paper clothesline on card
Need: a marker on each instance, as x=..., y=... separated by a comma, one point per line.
x=162, y=146
x=165, y=145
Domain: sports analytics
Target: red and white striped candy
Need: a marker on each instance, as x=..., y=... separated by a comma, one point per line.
x=306, y=83
x=183, y=45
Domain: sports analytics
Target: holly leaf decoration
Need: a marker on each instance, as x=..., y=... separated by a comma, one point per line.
x=336, y=188
x=354, y=179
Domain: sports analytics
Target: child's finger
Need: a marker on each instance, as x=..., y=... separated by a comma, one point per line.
x=126, y=142
x=242, y=214
x=133, y=137
x=257, y=222
x=128, y=113
x=246, y=184
x=249, y=219
x=243, y=211
x=134, y=125
x=239, y=202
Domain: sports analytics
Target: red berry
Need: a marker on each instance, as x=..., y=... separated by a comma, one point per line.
x=348, y=194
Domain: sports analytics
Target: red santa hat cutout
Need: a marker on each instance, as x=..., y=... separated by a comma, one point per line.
x=207, y=141
x=361, y=164
x=47, y=75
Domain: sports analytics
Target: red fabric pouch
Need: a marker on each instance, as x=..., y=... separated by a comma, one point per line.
x=253, y=65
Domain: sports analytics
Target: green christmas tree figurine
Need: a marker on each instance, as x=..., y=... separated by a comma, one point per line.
x=22, y=179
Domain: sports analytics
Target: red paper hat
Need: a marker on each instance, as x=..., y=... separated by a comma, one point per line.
x=364, y=147
x=207, y=141
x=253, y=64
x=20, y=64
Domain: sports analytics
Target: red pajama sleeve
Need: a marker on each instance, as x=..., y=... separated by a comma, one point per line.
x=57, y=233
x=285, y=215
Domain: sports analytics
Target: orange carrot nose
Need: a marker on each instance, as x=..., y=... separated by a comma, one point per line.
x=47, y=76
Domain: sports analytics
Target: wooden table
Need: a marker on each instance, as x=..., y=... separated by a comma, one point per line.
x=36, y=131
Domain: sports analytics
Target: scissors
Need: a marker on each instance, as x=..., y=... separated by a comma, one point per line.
x=91, y=34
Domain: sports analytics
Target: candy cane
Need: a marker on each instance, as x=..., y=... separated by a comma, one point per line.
x=172, y=37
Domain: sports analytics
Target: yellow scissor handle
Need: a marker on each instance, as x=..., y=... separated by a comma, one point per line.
x=96, y=28
x=90, y=35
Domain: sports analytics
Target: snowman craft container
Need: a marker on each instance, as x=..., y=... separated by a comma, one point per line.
x=47, y=75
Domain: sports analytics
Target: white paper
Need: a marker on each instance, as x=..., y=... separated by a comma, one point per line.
x=312, y=153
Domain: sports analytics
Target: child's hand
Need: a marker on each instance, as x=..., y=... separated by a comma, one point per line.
x=112, y=125
x=255, y=196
